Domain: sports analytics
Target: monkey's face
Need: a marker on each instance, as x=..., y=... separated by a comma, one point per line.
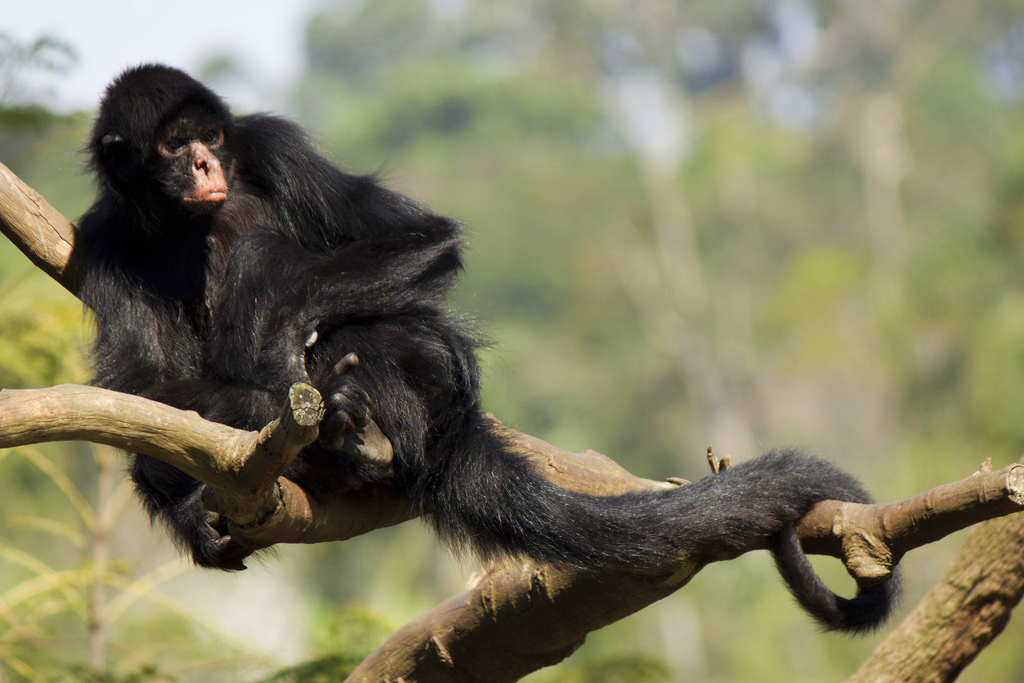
x=190, y=163
x=182, y=166
x=160, y=143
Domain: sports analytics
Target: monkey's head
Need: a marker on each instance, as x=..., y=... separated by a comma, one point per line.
x=159, y=139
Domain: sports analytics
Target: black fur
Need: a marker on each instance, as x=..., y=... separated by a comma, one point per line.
x=211, y=309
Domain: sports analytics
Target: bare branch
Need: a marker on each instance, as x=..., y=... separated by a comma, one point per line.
x=871, y=539
x=276, y=447
x=241, y=467
x=964, y=610
x=205, y=450
x=511, y=620
x=38, y=229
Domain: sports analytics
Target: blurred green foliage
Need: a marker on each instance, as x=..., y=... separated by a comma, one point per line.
x=41, y=339
x=346, y=636
x=739, y=224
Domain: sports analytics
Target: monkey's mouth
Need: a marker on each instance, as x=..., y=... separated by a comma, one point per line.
x=209, y=186
x=211, y=197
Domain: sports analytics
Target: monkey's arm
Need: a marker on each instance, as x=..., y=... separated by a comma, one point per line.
x=279, y=297
x=324, y=207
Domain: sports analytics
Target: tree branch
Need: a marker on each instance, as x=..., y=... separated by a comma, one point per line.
x=545, y=611
x=964, y=610
x=242, y=469
x=511, y=620
x=871, y=539
x=38, y=229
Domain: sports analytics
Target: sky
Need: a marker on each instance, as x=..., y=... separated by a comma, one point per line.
x=109, y=35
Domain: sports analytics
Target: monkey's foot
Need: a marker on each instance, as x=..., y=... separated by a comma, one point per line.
x=347, y=406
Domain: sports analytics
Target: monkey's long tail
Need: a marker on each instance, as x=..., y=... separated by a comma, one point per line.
x=484, y=496
x=866, y=611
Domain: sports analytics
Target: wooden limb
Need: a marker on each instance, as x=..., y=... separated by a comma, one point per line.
x=545, y=611
x=872, y=539
x=716, y=464
x=239, y=467
x=586, y=472
x=964, y=610
x=38, y=229
x=204, y=450
x=302, y=518
x=257, y=472
x=511, y=620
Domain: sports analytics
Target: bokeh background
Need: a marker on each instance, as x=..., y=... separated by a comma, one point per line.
x=743, y=224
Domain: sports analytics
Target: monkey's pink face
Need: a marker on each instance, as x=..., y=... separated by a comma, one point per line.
x=208, y=183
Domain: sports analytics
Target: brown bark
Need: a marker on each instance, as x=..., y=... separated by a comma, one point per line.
x=38, y=229
x=240, y=468
x=511, y=620
x=873, y=538
x=964, y=610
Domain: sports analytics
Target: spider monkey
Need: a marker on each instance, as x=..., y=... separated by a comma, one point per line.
x=225, y=259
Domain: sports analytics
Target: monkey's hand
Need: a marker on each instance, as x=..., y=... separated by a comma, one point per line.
x=347, y=405
x=217, y=547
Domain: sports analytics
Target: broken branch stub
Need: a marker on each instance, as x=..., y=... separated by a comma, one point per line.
x=276, y=447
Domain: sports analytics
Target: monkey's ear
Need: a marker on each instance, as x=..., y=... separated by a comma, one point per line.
x=115, y=149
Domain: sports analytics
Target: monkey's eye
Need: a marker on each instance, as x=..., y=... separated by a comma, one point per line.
x=173, y=147
x=211, y=136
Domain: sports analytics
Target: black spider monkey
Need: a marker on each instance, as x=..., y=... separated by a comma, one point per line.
x=220, y=247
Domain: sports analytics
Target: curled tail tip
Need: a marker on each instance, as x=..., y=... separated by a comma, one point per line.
x=867, y=611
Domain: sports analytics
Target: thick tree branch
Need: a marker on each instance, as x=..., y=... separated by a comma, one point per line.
x=38, y=229
x=964, y=610
x=242, y=469
x=871, y=539
x=545, y=611
x=511, y=620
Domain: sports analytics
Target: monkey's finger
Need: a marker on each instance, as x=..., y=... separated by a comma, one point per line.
x=215, y=519
x=348, y=418
x=346, y=364
x=230, y=551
